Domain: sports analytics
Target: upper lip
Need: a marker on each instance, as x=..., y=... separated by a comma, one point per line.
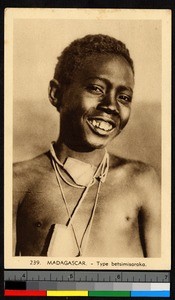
x=103, y=118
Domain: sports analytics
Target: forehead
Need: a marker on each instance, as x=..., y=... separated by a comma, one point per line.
x=112, y=67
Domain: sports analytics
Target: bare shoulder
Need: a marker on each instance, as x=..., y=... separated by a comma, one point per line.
x=132, y=167
x=37, y=164
x=27, y=172
x=137, y=173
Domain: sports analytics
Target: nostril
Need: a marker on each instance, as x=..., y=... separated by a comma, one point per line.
x=107, y=109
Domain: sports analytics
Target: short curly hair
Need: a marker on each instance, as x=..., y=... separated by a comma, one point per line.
x=73, y=56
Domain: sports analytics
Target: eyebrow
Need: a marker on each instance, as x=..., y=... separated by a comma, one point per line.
x=120, y=88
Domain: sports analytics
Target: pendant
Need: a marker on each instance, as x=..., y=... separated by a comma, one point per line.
x=81, y=172
x=63, y=243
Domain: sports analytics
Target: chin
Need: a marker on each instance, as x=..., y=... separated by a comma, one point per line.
x=98, y=142
x=99, y=139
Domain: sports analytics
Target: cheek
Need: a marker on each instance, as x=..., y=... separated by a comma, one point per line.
x=76, y=104
x=124, y=115
x=73, y=112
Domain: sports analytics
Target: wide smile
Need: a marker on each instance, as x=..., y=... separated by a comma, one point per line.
x=101, y=126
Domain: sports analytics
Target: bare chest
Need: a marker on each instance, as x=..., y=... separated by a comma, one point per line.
x=113, y=226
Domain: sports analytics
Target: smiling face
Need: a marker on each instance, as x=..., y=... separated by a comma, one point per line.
x=96, y=106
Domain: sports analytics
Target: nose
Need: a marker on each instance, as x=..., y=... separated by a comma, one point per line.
x=109, y=104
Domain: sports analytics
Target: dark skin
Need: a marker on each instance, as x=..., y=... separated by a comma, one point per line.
x=93, y=110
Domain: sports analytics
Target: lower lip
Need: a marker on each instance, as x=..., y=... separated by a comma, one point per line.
x=100, y=131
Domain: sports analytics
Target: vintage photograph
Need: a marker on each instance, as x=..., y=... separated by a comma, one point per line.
x=87, y=134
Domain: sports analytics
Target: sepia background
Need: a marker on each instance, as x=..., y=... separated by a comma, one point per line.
x=36, y=45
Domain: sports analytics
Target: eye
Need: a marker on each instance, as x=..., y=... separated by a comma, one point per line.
x=95, y=89
x=124, y=98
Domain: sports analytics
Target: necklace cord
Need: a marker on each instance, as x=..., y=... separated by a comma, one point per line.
x=65, y=202
x=102, y=175
x=90, y=221
x=104, y=166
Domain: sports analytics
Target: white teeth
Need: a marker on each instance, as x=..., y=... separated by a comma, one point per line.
x=94, y=123
x=102, y=125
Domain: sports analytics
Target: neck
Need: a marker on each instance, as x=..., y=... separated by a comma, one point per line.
x=92, y=157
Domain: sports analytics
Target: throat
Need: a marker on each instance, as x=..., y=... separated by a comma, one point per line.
x=92, y=157
x=82, y=173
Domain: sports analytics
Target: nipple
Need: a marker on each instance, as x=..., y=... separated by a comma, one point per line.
x=38, y=224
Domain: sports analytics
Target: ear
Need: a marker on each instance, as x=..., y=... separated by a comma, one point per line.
x=54, y=89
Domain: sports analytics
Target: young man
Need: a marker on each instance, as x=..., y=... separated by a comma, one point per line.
x=76, y=199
